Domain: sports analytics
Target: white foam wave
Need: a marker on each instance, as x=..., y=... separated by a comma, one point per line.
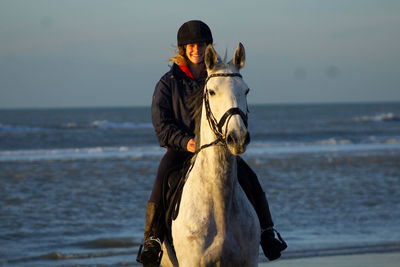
x=80, y=153
x=326, y=145
x=138, y=152
x=333, y=141
x=391, y=141
x=380, y=117
x=104, y=124
x=69, y=125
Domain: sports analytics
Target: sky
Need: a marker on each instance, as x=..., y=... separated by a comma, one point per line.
x=97, y=53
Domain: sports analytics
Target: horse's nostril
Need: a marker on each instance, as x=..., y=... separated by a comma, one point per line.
x=229, y=139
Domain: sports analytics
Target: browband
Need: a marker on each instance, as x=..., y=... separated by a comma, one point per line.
x=223, y=75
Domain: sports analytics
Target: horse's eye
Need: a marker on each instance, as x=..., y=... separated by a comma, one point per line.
x=247, y=92
x=212, y=92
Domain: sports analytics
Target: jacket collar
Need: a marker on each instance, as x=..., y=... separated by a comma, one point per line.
x=183, y=72
x=177, y=72
x=186, y=70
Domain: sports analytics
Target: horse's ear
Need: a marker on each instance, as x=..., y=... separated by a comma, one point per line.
x=210, y=57
x=240, y=57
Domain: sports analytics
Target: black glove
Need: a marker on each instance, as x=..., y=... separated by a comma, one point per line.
x=271, y=246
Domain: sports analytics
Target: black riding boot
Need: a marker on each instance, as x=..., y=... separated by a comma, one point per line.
x=248, y=180
x=150, y=252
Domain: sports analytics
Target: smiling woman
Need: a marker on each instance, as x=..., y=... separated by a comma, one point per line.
x=195, y=52
x=174, y=125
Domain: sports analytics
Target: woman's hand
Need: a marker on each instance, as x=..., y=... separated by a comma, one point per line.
x=191, y=146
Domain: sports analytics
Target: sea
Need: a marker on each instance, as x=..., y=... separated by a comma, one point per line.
x=74, y=183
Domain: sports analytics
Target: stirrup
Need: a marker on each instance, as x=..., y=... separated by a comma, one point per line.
x=284, y=245
x=159, y=256
x=272, y=246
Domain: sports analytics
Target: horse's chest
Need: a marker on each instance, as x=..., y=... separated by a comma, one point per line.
x=214, y=224
x=205, y=215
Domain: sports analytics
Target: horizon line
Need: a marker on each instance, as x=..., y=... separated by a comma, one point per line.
x=250, y=105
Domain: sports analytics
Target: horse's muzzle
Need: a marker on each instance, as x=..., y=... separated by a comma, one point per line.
x=237, y=143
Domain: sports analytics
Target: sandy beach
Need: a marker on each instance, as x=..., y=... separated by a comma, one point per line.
x=360, y=260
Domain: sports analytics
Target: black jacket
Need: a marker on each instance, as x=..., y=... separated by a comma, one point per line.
x=170, y=112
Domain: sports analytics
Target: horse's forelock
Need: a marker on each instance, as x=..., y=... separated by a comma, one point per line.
x=221, y=65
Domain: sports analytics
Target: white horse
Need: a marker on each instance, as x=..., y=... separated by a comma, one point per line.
x=216, y=225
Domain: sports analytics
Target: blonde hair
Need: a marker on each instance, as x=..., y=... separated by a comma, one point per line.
x=179, y=57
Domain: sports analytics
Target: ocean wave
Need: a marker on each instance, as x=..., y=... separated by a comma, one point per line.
x=380, y=117
x=74, y=256
x=383, y=247
x=324, y=142
x=80, y=153
x=102, y=243
x=333, y=141
x=104, y=124
x=19, y=128
x=99, y=124
x=327, y=145
x=139, y=152
x=383, y=140
x=69, y=125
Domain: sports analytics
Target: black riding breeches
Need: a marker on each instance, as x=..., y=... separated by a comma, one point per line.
x=251, y=186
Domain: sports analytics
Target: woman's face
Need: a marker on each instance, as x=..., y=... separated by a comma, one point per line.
x=195, y=52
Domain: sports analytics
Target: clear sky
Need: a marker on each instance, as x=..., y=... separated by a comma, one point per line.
x=88, y=53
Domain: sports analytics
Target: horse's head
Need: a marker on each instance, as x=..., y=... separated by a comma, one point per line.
x=225, y=99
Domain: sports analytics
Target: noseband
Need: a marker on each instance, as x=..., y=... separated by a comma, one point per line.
x=215, y=125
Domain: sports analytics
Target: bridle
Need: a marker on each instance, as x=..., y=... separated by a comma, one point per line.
x=215, y=125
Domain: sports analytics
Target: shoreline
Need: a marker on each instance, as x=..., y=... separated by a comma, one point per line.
x=387, y=259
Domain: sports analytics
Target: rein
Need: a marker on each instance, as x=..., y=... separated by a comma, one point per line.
x=215, y=125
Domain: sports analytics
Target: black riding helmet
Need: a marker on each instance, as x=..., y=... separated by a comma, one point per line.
x=194, y=31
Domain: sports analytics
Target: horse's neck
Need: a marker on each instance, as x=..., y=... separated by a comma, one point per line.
x=215, y=176
x=217, y=162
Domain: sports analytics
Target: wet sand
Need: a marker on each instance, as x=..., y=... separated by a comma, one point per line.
x=361, y=260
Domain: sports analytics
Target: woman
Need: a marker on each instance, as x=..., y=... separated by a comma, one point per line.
x=174, y=127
